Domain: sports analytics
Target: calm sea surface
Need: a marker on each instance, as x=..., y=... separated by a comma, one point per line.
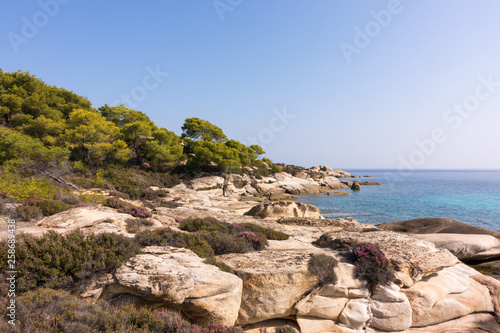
x=471, y=197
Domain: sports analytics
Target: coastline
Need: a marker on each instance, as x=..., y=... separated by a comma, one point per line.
x=275, y=283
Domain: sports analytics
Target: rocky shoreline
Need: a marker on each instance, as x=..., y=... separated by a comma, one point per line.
x=433, y=290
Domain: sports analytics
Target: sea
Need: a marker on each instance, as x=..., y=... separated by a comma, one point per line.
x=469, y=196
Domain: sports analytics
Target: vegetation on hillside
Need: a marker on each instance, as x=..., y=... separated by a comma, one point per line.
x=51, y=137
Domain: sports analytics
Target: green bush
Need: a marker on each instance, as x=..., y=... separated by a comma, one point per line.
x=70, y=200
x=51, y=207
x=28, y=213
x=1, y=208
x=224, y=243
x=270, y=234
x=116, y=203
x=203, y=224
x=59, y=261
x=276, y=168
x=22, y=188
x=323, y=266
x=212, y=224
x=47, y=310
x=135, y=225
x=167, y=236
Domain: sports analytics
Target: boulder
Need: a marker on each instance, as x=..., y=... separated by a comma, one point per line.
x=411, y=258
x=355, y=186
x=330, y=181
x=473, y=323
x=316, y=325
x=239, y=181
x=471, y=247
x=295, y=185
x=391, y=309
x=450, y=293
x=89, y=219
x=284, y=208
x=356, y=315
x=179, y=279
x=434, y=225
x=273, y=282
x=493, y=286
x=207, y=183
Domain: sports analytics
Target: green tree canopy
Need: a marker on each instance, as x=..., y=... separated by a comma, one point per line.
x=94, y=139
x=199, y=129
x=24, y=97
x=121, y=115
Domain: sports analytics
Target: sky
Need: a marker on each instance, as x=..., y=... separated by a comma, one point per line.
x=348, y=84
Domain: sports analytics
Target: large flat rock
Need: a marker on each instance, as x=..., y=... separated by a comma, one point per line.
x=178, y=278
x=411, y=258
x=465, y=246
x=433, y=225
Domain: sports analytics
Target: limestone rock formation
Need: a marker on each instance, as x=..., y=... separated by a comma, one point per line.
x=465, y=246
x=412, y=259
x=284, y=208
x=207, y=183
x=179, y=279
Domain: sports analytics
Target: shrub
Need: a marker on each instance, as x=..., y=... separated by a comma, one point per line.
x=268, y=233
x=118, y=194
x=323, y=266
x=70, y=200
x=114, y=202
x=135, y=225
x=257, y=241
x=276, y=168
x=95, y=198
x=59, y=261
x=170, y=204
x=222, y=266
x=167, y=236
x=135, y=211
x=223, y=243
x=285, y=329
x=28, y=213
x=203, y=224
x=51, y=207
x=31, y=201
x=372, y=264
x=47, y=310
x=1, y=208
x=23, y=188
x=212, y=224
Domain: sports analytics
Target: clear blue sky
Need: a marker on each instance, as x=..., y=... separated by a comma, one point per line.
x=354, y=92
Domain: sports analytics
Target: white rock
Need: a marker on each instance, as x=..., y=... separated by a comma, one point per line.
x=179, y=278
x=356, y=314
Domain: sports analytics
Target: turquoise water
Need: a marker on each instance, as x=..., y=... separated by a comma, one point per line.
x=471, y=197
